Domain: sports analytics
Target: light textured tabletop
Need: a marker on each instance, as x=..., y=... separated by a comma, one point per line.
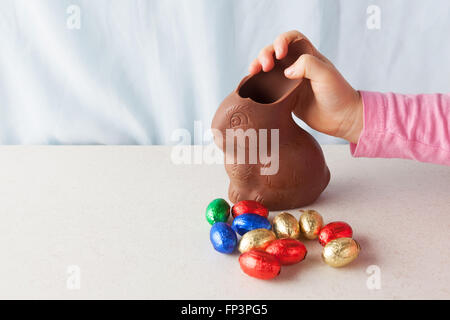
x=132, y=223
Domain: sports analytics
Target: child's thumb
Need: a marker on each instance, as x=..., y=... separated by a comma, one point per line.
x=309, y=67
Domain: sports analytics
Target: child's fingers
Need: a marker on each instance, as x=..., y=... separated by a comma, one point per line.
x=280, y=45
x=282, y=42
x=255, y=67
x=265, y=58
x=310, y=67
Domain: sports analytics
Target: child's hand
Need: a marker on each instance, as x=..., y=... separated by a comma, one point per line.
x=335, y=107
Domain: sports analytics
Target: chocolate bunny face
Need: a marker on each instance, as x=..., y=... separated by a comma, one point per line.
x=238, y=117
x=230, y=118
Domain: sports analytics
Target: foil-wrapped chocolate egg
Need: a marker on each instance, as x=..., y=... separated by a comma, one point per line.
x=223, y=238
x=286, y=226
x=249, y=221
x=334, y=230
x=259, y=264
x=340, y=252
x=310, y=224
x=218, y=210
x=249, y=206
x=256, y=239
x=287, y=251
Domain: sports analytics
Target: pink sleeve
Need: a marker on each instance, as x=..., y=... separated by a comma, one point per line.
x=405, y=126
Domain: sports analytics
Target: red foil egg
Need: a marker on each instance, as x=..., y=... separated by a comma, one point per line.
x=287, y=251
x=334, y=230
x=249, y=206
x=260, y=264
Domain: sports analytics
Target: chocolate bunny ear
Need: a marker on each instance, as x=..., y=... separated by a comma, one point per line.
x=273, y=86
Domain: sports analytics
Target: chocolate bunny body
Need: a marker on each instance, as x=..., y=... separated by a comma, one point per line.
x=266, y=101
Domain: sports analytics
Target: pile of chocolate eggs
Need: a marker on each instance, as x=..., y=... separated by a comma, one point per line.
x=266, y=246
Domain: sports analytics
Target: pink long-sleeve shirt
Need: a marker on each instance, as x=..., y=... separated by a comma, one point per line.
x=405, y=126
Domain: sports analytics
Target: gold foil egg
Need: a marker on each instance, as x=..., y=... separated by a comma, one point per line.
x=340, y=252
x=286, y=226
x=310, y=224
x=256, y=239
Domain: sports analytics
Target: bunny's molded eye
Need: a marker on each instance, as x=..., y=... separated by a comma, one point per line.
x=238, y=119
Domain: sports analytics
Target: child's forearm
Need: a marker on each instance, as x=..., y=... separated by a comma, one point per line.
x=405, y=126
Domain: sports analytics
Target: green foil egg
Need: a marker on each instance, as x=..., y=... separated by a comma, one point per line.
x=217, y=211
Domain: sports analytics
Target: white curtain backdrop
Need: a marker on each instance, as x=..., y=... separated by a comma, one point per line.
x=137, y=70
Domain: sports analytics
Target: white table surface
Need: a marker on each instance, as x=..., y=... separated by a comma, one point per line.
x=134, y=224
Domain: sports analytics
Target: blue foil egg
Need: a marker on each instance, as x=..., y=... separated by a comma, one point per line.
x=249, y=221
x=223, y=238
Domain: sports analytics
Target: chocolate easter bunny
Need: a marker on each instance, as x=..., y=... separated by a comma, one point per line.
x=295, y=173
